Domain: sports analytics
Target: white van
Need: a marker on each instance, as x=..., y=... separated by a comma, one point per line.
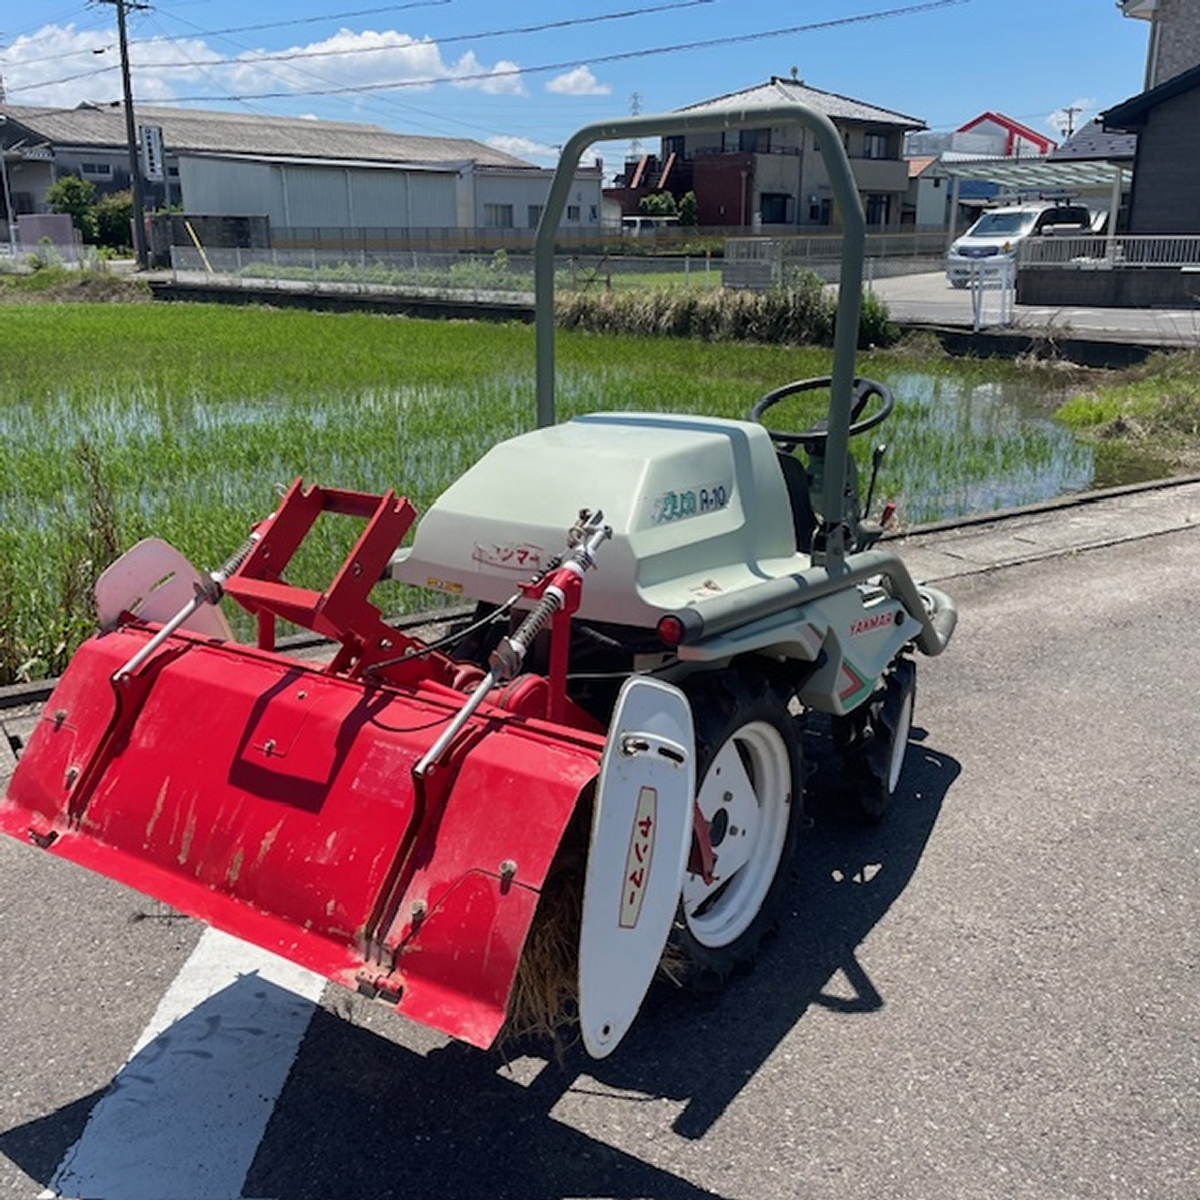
x=998, y=233
x=639, y=226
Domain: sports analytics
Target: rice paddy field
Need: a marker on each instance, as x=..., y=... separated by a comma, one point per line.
x=118, y=421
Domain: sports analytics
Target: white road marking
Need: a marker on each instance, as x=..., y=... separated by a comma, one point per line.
x=184, y=1117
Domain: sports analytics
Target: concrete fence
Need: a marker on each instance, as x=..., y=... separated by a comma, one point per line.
x=1121, y=271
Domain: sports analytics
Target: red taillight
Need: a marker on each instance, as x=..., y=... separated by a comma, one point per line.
x=670, y=630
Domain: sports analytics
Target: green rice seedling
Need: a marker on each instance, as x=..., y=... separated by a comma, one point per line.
x=181, y=421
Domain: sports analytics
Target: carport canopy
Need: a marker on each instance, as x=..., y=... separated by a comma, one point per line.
x=1040, y=175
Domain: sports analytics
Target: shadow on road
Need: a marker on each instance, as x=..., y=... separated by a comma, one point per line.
x=705, y=1050
x=365, y=1115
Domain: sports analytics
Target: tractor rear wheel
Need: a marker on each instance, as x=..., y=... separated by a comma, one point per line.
x=873, y=740
x=749, y=792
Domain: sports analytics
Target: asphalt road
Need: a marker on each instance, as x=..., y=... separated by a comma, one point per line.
x=994, y=994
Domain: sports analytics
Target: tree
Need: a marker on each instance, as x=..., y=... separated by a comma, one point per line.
x=657, y=204
x=76, y=198
x=113, y=214
x=689, y=210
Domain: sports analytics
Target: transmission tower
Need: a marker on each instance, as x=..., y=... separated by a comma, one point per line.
x=635, y=110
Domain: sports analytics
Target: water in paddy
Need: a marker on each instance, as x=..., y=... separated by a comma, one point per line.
x=959, y=447
x=182, y=465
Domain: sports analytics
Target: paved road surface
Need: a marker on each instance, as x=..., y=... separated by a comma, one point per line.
x=995, y=994
x=930, y=300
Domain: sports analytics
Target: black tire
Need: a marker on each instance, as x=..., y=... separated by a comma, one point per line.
x=872, y=742
x=745, y=736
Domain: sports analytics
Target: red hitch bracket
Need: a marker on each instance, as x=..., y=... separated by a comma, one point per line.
x=342, y=611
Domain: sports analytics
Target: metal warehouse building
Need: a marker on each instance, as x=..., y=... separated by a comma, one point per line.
x=299, y=173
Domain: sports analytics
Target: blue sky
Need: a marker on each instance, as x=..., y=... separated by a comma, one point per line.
x=464, y=68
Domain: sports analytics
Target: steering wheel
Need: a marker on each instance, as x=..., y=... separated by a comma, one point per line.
x=863, y=391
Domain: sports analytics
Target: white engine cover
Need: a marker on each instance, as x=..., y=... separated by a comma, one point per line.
x=697, y=506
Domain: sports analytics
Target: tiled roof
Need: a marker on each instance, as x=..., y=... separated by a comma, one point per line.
x=918, y=165
x=778, y=90
x=1093, y=141
x=251, y=134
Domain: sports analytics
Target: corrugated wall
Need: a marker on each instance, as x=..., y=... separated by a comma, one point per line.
x=219, y=187
x=332, y=196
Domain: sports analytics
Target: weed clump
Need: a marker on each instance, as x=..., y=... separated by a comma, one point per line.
x=803, y=314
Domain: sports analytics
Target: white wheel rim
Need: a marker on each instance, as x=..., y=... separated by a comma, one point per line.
x=750, y=783
x=900, y=742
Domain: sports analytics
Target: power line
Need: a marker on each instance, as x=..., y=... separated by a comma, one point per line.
x=338, y=16
x=385, y=103
x=294, y=55
x=677, y=48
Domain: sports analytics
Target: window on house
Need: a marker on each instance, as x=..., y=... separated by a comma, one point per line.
x=498, y=216
x=91, y=170
x=573, y=212
x=534, y=215
x=593, y=213
x=878, y=208
x=875, y=145
x=754, y=141
x=820, y=212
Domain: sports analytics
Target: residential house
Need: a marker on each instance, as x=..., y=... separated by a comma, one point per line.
x=773, y=177
x=939, y=157
x=1165, y=196
x=1010, y=138
x=1174, y=43
x=927, y=204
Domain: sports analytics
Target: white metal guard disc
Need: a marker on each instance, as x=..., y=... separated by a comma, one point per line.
x=154, y=581
x=641, y=835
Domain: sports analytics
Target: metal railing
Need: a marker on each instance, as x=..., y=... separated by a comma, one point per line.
x=1121, y=251
x=414, y=272
x=767, y=261
x=458, y=240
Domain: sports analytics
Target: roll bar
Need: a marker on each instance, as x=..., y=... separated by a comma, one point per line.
x=850, y=283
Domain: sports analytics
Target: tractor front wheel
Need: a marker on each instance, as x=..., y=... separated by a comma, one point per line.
x=749, y=794
x=873, y=740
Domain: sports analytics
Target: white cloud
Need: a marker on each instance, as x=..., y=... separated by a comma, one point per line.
x=60, y=66
x=33, y=64
x=346, y=59
x=579, y=82
x=504, y=79
x=523, y=147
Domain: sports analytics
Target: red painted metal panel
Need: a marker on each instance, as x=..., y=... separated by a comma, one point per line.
x=278, y=802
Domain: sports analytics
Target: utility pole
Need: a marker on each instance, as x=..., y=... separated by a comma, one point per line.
x=1072, y=111
x=135, y=169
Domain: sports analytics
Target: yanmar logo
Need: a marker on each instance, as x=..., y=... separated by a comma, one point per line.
x=520, y=556
x=870, y=624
